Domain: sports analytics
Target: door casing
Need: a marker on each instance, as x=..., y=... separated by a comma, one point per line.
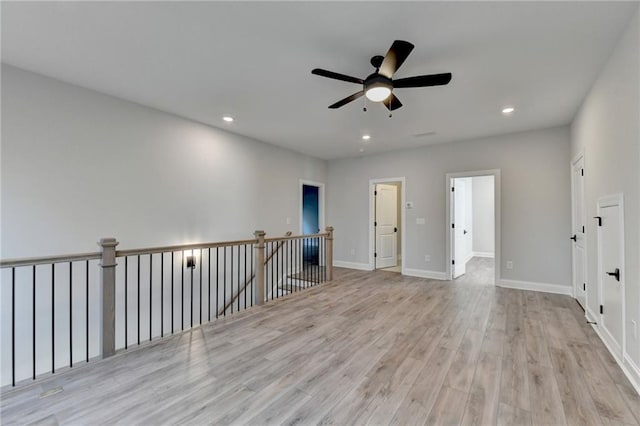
x=372, y=218
x=496, y=200
x=603, y=202
x=576, y=222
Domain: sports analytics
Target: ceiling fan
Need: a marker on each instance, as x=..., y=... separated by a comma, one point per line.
x=378, y=87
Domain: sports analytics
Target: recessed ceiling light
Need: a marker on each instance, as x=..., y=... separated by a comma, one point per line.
x=227, y=118
x=508, y=110
x=366, y=137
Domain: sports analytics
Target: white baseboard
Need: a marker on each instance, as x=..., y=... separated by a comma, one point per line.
x=627, y=365
x=632, y=371
x=532, y=286
x=483, y=254
x=352, y=265
x=421, y=273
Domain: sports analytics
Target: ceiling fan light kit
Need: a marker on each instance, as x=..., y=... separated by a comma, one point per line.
x=378, y=87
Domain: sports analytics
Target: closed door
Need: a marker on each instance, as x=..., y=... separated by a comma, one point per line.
x=610, y=271
x=386, y=225
x=459, y=227
x=579, y=232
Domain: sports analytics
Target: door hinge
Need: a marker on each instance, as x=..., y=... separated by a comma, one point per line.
x=452, y=189
x=583, y=229
x=453, y=225
x=395, y=229
x=584, y=286
x=582, y=172
x=375, y=254
x=375, y=223
x=601, y=309
x=453, y=262
x=375, y=192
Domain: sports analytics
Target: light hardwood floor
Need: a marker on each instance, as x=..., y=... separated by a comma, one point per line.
x=367, y=348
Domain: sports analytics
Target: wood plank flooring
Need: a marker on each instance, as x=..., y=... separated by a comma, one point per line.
x=367, y=348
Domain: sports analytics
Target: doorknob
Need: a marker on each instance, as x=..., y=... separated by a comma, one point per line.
x=574, y=238
x=615, y=274
x=395, y=229
x=464, y=232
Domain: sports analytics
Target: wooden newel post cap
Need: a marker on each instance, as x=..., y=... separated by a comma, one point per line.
x=108, y=242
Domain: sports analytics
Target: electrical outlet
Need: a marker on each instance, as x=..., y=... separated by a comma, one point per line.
x=427, y=258
x=634, y=327
x=509, y=264
x=353, y=252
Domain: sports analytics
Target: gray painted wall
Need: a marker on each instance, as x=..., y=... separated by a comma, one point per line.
x=607, y=130
x=535, y=201
x=78, y=165
x=483, y=214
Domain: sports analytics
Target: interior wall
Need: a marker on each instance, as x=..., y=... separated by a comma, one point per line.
x=606, y=130
x=78, y=165
x=535, y=201
x=483, y=215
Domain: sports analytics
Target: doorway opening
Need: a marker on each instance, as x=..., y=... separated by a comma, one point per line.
x=387, y=223
x=473, y=227
x=311, y=220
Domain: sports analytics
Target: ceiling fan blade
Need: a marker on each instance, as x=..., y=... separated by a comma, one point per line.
x=347, y=100
x=395, y=57
x=336, y=76
x=392, y=102
x=423, y=81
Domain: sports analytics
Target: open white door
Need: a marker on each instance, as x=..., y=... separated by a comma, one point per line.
x=459, y=225
x=611, y=271
x=578, y=234
x=386, y=225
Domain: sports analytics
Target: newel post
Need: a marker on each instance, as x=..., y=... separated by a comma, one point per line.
x=329, y=261
x=108, y=291
x=258, y=266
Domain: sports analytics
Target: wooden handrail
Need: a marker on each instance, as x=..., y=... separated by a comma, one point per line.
x=246, y=284
x=12, y=263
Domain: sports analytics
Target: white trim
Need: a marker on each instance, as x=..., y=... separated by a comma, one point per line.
x=632, y=371
x=497, y=221
x=421, y=273
x=590, y=315
x=575, y=285
x=610, y=201
x=533, y=286
x=403, y=220
x=627, y=365
x=351, y=265
x=487, y=254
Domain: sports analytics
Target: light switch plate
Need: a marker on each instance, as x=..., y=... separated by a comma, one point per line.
x=420, y=221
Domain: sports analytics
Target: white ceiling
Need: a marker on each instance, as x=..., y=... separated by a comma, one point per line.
x=254, y=60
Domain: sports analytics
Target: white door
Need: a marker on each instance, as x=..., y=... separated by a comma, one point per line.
x=386, y=225
x=611, y=271
x=578, y=232
x=459, y=227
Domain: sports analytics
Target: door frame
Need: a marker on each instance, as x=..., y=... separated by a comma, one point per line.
x=607, y=201
x=497, y=214
x=576, y=159
x=320, y=186
x=372, y=218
